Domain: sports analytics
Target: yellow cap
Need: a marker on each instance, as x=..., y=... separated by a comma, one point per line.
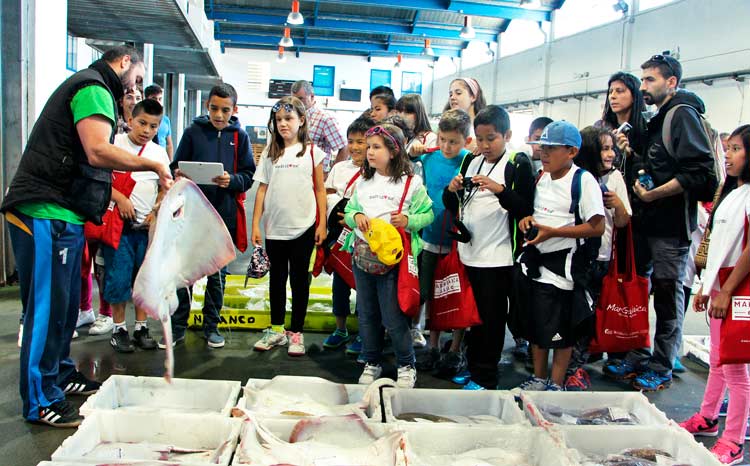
x=385, y=241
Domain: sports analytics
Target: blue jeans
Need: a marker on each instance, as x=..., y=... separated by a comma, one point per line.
x=121, y=265
x=341, y=293
x=377, y=306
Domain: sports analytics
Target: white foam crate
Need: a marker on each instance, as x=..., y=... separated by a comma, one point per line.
x=345, y=394
x=68, y=463
x=588, y=441
x=495, y=403
x=125, y=392
x=422, y=440
x=633, y=402
x=215, y=433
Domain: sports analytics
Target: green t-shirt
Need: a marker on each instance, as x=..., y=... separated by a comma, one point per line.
x=88, y=101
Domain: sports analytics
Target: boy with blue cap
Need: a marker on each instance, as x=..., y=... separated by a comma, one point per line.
x=568, y=207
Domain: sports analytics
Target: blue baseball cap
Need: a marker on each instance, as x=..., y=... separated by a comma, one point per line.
x=560, y=133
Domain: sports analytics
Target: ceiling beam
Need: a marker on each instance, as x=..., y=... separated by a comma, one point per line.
x=467, y=7
x=336, y=45
x=433, y=31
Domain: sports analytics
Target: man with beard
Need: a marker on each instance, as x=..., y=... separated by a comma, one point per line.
x=669, y=214
x=63, y=180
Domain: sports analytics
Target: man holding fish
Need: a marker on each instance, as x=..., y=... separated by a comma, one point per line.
x=63, y=180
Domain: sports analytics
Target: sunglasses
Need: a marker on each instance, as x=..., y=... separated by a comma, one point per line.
x=287, y=107
x=380, y=131
x=663, y=59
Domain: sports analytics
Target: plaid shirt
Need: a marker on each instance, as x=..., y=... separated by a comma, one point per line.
x=325, y=133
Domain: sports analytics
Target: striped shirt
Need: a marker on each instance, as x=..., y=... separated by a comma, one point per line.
x=326, y=134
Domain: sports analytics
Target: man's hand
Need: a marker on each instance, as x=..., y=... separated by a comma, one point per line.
x=544, y=233
x=165, y=176
x=127, y=211
x=642, y=193
x=222, y=181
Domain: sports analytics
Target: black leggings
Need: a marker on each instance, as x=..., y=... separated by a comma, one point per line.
x=290, y=259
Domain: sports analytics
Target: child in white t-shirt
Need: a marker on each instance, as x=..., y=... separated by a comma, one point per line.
x=555, y=234
x=340, y=185
x=386, y=177
x=597, y=156
x=729, y=249
x=501, y=193
x=291, y=198
x=122, y=263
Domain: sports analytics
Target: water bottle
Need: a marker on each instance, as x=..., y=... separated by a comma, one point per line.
x=645, y=180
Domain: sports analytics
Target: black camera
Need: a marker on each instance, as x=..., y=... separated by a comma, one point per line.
x=468, y=183
x=531, y=233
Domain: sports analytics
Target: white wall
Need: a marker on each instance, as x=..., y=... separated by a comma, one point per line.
x=353, y=70
x=711, y=37
x=48, y=52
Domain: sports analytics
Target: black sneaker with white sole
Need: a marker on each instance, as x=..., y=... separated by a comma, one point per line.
x=121, y=341
x=176, y=340
x=78, y=384
x=59, y=414
x=143, y=340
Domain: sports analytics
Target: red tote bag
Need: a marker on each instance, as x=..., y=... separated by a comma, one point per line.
x=408, y=277
x=452, y=305
x=622, y=310
x=110, y=231
x=734, y=346
x=240, y=239
x=338, y=259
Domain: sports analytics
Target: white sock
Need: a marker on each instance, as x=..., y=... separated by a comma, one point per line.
x=139, y=324
x=119, y=325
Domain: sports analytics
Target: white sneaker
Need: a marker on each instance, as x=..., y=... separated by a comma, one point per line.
x=418, y=340
x=85, y=317
x=20, y=335
x=296, y=344
x=75, y=334
x=269, y=340
x=370, y=374
x=407, y=377
x=102, y=325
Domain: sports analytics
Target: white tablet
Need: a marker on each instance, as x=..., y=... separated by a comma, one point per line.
x=201, y=172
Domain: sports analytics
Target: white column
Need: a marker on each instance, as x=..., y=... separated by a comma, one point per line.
x=148, y=60
x=178, y=124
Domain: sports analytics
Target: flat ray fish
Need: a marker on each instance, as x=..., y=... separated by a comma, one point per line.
x=188, y=241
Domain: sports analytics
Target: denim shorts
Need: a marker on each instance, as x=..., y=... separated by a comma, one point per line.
x=121, y=265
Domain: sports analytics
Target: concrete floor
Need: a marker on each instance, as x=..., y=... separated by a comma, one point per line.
x=26, y=444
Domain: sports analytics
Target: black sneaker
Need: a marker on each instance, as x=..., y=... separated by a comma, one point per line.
x=427, y=360
x=177, y=338
x=60, y=414
x=78, y=384
x=121, y=341
x=451, y=364
x=143, y=340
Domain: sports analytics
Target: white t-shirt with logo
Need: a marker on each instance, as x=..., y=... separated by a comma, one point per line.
x=379, y=196
x=338, y=178
x=552, y=208
x=727, y=234
x=289, y=206
x=486, y=219
x=146, y=187
x=615, y=183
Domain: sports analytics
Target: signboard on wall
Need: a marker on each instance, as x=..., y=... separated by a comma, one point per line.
x=411, y=82
x=380, y=78
x=258, y=134
x=323, y=80
x=278, y=88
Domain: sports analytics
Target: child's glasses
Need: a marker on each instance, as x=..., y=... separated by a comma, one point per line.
x=380, y=131
x=287, y=107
